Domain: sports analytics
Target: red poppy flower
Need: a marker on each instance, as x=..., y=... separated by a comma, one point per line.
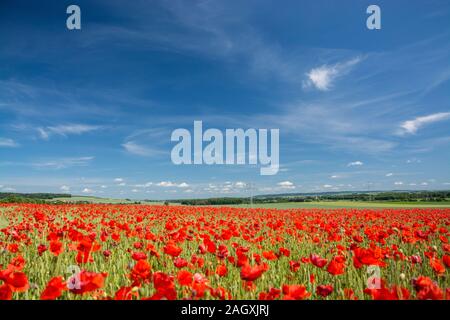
x=324, y=290
x=184, y=278
x=437, y=266
x=5, y=292
x=368, y=257
x=125, y=293
x=249, y=273
x=269, y=255
x=318, y=261
x=221, y=270
x=138, y=256
x=87, y=282
x=54, y=289
x=426, y=289
x=337, y=265
x=141, y=272
x=172, y=249
x=446, y=260
x=56, y=247
x=295, y=292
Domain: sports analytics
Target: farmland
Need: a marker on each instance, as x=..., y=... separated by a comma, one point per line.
x=99, y=251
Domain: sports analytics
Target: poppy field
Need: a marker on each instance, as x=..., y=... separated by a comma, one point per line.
x=178, y=252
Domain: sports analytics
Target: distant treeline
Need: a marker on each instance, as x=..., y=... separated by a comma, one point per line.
x=406, y=196
x=10, y=197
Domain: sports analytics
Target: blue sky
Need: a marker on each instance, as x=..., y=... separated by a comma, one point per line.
x=91, y=112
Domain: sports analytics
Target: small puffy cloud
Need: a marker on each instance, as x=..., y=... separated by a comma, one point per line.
x=286, y=185
x=166, y=184
x=398, y=183
x=424, y=184
x=65, y=188
x=412, y=126
x=240, y=184
x=118, y=180
x=322, y=77
x=327, y=186
x=183, y=185
x=8, y=143
x=335, y=176
x=355, y=163
x=87, y=190
x=145, y=185
x=390, y=174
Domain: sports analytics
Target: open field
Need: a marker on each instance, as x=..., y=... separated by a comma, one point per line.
x=346, y=204
x=180, y=252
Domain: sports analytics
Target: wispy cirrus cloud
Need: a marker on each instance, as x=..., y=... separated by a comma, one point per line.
x=141, y=150
x=63, y=163
x=412, y=126
x=65, y=130
x=8, y=143
x=322, y=77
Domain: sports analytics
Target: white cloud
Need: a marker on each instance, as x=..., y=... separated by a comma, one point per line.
x=8, y=143
x=183, y=185
x=322, y=77
x=65, y=188
x=398, y=183
x=145, y=185
x=103, y=186
x=64, y=130
x=424, y=184
x=355, y=163
x=240, y=184
x=327, y=186
x=166, y=184
x=335, y=177
x=135, y=190
x=63, y=163
x=140, y=150
x=87, y=190
x=390, y=174
x=286, y=185
x=412, y=126
x=118, y=180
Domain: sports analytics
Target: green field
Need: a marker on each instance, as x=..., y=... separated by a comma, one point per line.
x=346, y=204
x=280, y=205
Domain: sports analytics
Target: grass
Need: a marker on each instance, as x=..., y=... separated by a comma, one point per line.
x=346, y=204
x=281, y=205
x=3, y=221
